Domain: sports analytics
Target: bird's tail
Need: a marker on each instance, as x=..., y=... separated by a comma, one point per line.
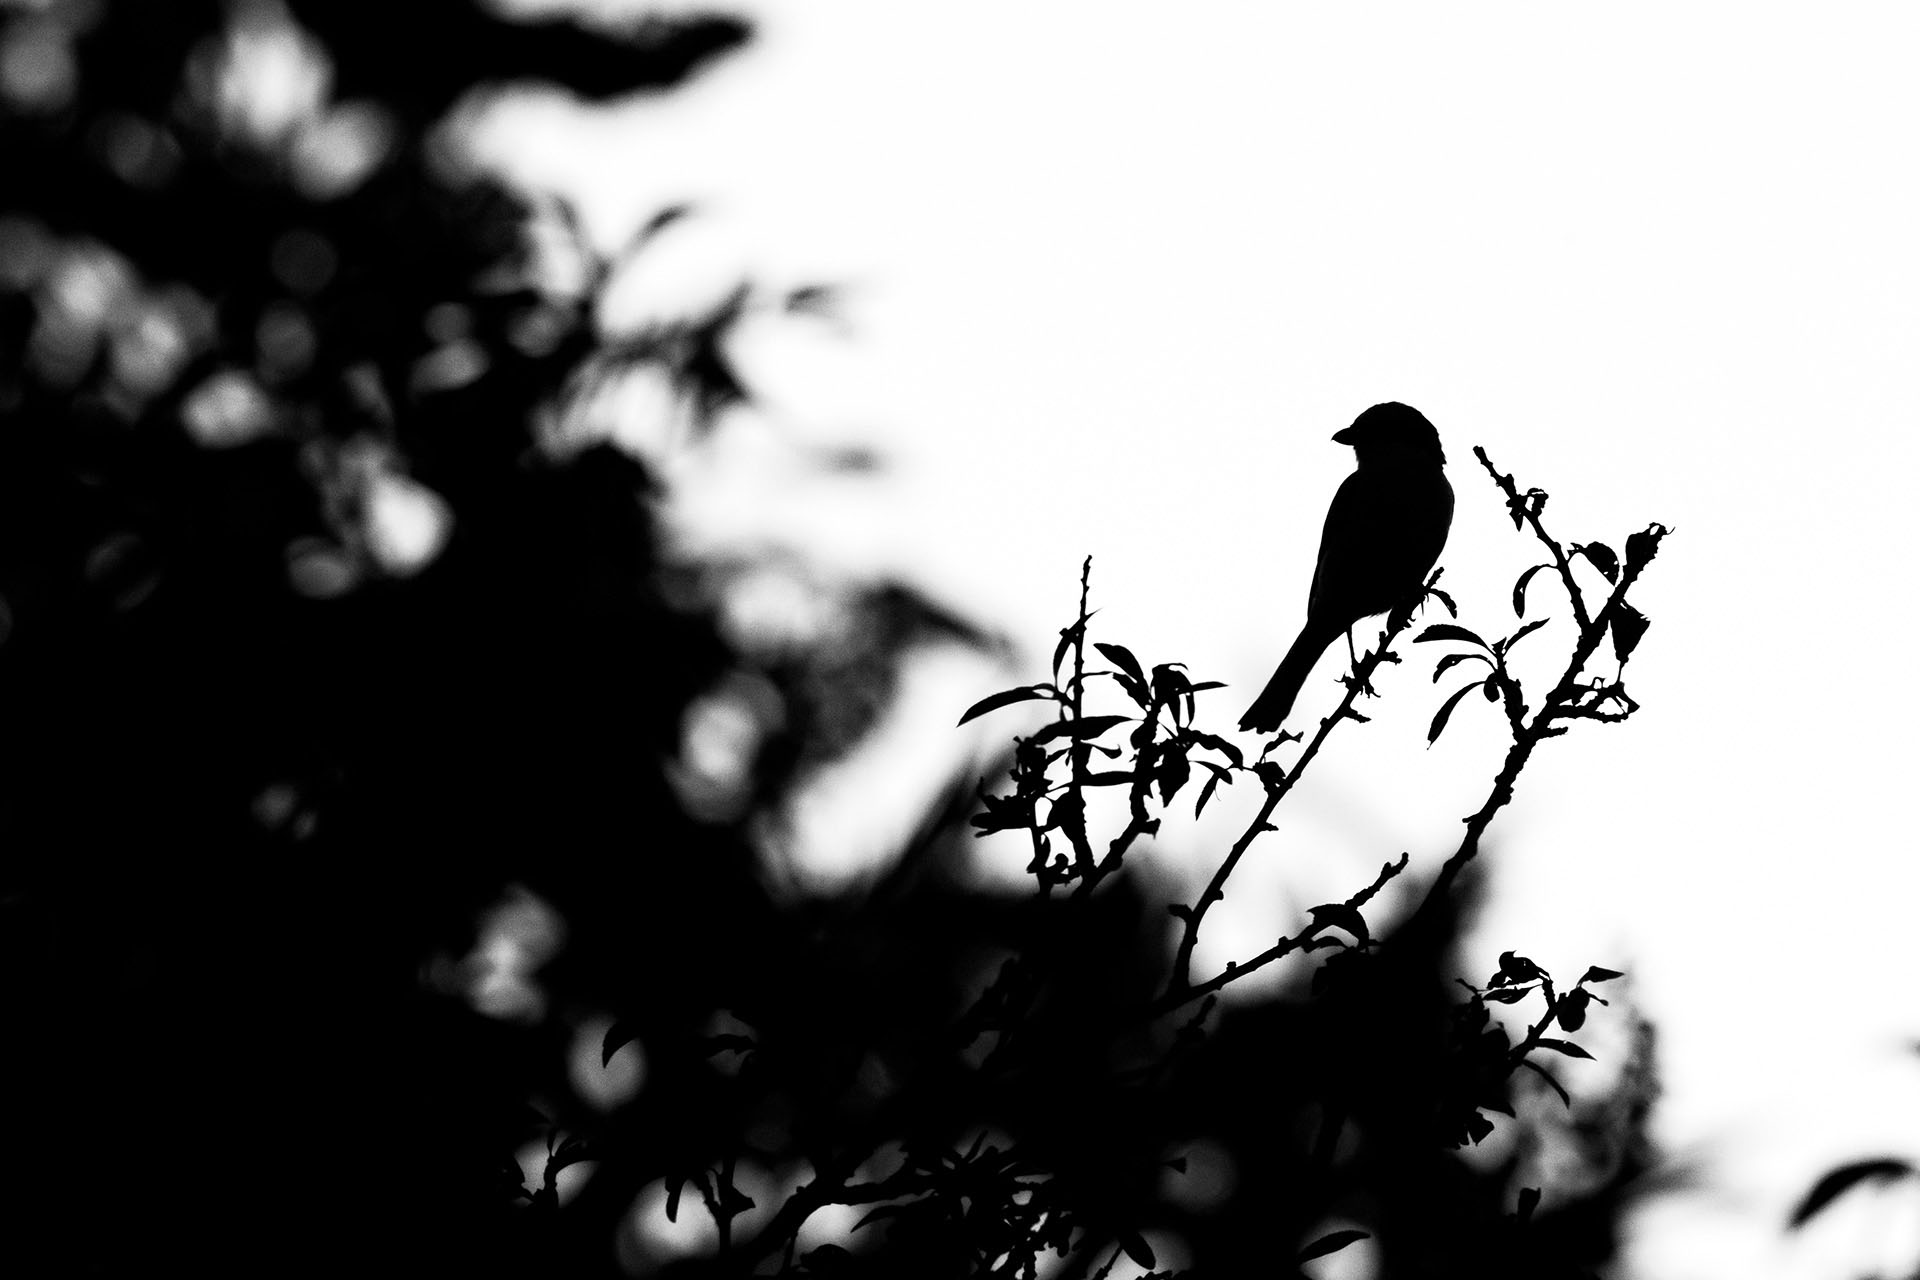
x=1276, y=700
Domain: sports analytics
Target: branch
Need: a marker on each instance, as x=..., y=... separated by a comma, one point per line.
x=1558, y=705
x=1278, y=784
x=1523, y=510
x=1307, y=939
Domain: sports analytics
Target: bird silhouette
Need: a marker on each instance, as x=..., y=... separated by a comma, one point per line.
x=1385, y=529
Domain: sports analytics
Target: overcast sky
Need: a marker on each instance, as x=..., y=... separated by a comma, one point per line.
x=1113, y=274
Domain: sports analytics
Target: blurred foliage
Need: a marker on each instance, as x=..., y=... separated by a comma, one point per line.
x=384, y=803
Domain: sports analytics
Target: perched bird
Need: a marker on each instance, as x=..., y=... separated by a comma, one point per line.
x=1384, y=530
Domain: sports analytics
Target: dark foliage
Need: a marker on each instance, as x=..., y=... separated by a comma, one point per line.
x=320, y=644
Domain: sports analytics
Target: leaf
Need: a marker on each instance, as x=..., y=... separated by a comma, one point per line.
x=1517, y=968
x=1844, y=1179
x=1454, y=659
x=1448, y=631
x=1506, y=646
x=1206, y=794
x=1068, y=635
x=1110, y=778
x=886, y=1211
x=1205, y=685
x=1601, y=556
x=1597, y=974
x=1172, y=775
x=1506, y=995
x=1520, y=591
x=1219, y=744
x=1547, y=1075
x=1453, y=610
x=1628, y=625
x=1135, y=1247
x=1567, y=1047
x=674, y=1187
x=1122, y=657
x=1642, y=545
x=1446, y=709
x=1006, y=698
x=571, y=1152
x=1085, y=727
x=1169, y=681
x=618, y=1037
x=1332, y=1242
x=1340, y=916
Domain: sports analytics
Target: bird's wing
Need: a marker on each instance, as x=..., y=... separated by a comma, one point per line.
x=1350, y=526
x=1384, y=530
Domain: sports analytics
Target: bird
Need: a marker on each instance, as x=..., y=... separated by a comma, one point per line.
x=1386, y=527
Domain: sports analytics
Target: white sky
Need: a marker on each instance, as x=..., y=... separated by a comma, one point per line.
x=1115, y=274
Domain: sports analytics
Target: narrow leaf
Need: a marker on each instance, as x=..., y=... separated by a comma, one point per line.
x=618, y=1037
x=1122, y=657
x=1454, y=659
x=1567, y=1047
x=1448, y=631
x=1597, y=974
x=1206, y=794
x=1085, y=727
x=1844, y=1179
x=1332, y=1242
x=1547, y=1075
x=1006, y=698
x=1135, y=1247
x=1446, y=709
x=1523, y=633
x=1520, y=591
x=1067, y=636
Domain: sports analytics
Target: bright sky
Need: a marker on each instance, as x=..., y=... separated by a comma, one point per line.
x=1115, y=273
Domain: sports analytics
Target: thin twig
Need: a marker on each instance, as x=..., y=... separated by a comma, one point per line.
x=1180, y=980
x=1523, y=510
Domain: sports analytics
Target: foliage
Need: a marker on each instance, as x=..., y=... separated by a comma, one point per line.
x=1855, y=1178
x=346, y=682
x=1365, y=989
x=335, y=656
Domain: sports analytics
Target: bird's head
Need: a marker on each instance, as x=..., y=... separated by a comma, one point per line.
x=1393, y=434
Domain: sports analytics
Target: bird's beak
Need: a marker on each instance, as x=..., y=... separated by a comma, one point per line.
x=1343, y=436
